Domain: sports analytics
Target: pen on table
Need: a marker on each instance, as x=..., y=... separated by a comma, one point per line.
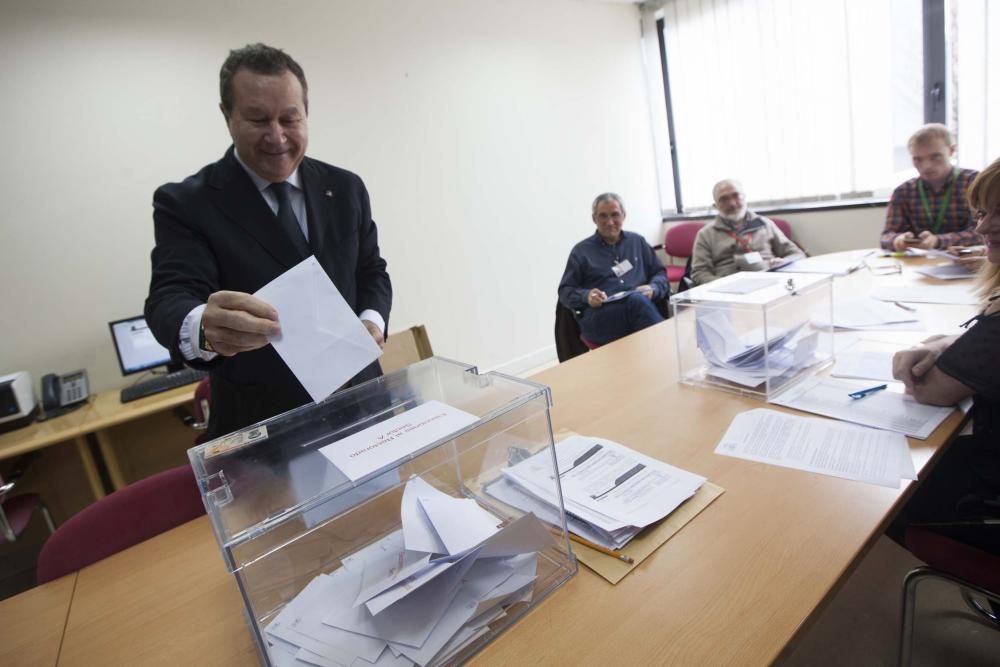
x=909, y=308
x=861, y=393
x=625, y=558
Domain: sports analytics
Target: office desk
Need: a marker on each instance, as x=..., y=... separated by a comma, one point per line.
x=104, y=411
x=733, y=587
x=32, y=624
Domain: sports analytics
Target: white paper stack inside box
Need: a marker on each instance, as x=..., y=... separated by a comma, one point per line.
x=754, y=333
x=358, y=530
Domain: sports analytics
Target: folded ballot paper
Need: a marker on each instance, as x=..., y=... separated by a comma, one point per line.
x=417, y=596
x=610, y=492
x=741, y=358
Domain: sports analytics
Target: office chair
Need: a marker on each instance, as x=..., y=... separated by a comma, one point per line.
x=679, y=243
x=16, y=511
x=972, y=570
x=126, y=517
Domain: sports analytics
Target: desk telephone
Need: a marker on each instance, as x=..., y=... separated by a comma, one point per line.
x=62, y=392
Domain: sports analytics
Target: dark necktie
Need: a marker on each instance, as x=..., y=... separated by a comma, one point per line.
x=287, y=219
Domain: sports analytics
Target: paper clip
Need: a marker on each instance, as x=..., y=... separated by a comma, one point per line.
x=861, y=393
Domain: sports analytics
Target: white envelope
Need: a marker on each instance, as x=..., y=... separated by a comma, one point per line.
x=322, y=340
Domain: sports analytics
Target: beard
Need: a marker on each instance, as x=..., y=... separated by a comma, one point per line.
x=736, y=216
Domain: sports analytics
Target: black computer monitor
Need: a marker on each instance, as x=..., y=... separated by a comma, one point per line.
x=137, y=349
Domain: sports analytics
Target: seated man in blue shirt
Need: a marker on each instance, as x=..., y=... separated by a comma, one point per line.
x=613, y=277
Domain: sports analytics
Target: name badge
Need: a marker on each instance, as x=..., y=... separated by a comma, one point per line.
x=753, y=258
x=622, y=267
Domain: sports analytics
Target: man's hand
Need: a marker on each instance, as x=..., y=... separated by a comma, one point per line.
x=971, y=256
x=237, y=322
x=595, y=298
x=899, y=243
x=646, y=291
x=928, y=241
x=375, y=332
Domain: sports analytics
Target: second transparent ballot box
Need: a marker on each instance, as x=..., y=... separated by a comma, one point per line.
x=362, y=529
x=754, y=333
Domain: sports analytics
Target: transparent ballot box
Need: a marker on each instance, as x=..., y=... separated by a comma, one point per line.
x=754, y=333
x=362, y=529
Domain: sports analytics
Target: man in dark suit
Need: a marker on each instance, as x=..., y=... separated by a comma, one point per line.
x=237, y=224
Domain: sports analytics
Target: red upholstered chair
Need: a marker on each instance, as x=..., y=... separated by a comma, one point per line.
x=784, y=226
x=972, y=570
x=679, y=243
x=128, y=516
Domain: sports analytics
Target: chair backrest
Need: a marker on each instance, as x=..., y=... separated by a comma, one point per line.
x=784, y=226
x=404, y=348
x=126, y=517
x=679, y=241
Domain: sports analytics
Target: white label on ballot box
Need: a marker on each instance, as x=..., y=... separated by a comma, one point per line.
x=388, y=442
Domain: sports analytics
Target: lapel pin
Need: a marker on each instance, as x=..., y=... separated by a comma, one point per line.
x=328, y=193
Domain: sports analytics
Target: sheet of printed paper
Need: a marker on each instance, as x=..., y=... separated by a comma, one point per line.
x=819, y=446
x=888, y=410
x=322, y=340
x=866, y=364
x=387, y=442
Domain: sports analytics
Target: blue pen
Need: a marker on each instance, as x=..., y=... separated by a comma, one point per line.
x=861, y=393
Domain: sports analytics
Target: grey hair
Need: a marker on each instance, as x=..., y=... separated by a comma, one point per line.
x=606, y=197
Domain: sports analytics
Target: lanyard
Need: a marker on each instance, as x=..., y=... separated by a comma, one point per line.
x=937, y=220
x=744, y=241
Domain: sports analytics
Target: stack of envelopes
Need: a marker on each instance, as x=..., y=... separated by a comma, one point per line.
x=750, y=359
x=610, y=492
x=420, y=594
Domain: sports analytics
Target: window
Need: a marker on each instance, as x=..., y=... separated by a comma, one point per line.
x=800, y=100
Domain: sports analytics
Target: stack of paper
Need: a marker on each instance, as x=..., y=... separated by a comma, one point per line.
x=948, y=271
x=819, y=445
x=418, y=595
x=949, y=294
x=888, y=410
x=741, y=359
x=871, y=314
x=610, y=492
x=840, y=266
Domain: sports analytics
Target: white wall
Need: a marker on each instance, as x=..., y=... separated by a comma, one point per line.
x=483, y=129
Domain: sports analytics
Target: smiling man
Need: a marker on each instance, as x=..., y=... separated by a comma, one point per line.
x=931, y=211
x=237, y=224
x=613, y=277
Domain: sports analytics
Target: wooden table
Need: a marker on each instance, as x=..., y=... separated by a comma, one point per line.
x=32, y=624
x=104, y=411
x=734, y=586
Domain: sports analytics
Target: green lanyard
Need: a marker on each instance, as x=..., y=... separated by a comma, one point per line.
x=944, y=202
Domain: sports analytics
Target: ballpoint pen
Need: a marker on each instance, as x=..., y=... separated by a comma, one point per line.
x=909, y=308
x=861, y=393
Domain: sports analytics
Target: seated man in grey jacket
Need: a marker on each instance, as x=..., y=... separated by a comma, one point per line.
x=738, y=239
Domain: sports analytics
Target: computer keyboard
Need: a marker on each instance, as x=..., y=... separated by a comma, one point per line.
x=160, y=383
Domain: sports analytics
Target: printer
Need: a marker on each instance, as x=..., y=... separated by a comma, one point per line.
x=18, y=406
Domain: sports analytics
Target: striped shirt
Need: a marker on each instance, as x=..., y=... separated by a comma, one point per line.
x=906, y=212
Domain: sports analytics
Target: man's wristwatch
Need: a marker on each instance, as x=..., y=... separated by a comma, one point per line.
x=203, y=342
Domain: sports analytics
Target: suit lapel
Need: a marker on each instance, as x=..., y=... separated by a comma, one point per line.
x=237, y=197
x=320, y=196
